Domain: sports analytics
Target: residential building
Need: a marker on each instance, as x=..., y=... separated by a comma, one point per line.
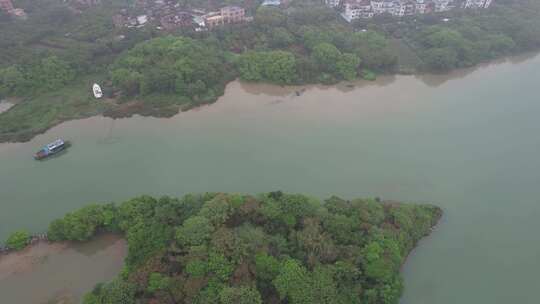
x=233, y=14
x=271, y=3
x=357, y=9
x=399, y=9
x=6, y=5
x=441, y=5
x=477, y=3
x=409, y=7
x=353, y=9
x=420, y=7
x=333, y=3
x=142, y=20
x=18, y=12
x=226, y=15
x=89, y=2
x=179, y=19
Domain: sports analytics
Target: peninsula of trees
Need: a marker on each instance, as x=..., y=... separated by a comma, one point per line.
x=49, y=61
x=269, y=248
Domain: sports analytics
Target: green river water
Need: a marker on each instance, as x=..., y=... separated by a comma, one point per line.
x=468, y=142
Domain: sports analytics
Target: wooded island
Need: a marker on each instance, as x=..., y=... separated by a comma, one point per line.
x=269, y=248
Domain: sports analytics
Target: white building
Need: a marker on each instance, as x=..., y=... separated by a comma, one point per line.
x=477, y=3
x=392, y=7
x=271, y=3
x=441, y=5
x=357, y=9
x=142, y=20
x=332, y=3
x=354, y=9
x=420, y=6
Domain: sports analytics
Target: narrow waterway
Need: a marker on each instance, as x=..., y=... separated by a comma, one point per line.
x=467, y=142
x=59, y=272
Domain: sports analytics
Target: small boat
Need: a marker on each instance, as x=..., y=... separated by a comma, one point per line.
x=96, y=89
x=51, y=149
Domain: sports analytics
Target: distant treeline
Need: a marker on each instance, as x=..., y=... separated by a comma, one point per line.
x=270, y=248
x=469, y=37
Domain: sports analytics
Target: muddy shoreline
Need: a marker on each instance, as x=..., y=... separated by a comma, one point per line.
x=59, y=272
x=137, y=107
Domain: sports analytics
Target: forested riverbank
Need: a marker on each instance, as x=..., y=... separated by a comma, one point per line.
x=271, y=248
x=151, y=72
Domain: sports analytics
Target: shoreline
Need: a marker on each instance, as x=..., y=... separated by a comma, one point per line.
x=40, y=266
x=134, y=108
x=23, y=261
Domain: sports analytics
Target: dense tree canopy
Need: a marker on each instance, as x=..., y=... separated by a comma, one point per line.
x=272, y=66
x=48, y=73
x=270, y=248
x=191, y=69
x=471, y=37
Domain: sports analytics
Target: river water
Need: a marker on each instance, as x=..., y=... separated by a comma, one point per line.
x=468, y=142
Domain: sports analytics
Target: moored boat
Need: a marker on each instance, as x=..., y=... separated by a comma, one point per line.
x=51, y=149
x=96, y=89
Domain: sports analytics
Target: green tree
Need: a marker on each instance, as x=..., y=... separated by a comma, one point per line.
x=280, y=37
x=12, y=81
x=80, y=225
x=18, y=240
x=269, y=17
x=217, y=210
x=274, y=66
x=240, y=295
x=195, y=231
x=117, y=291
x=219, y=266
x=327, y=56
x=52, y=72
x=294, y=283
x=128, y=81
x=440, y=59
x=145, y=239
x=267, y=267
x=197, y=268
x=347, y=66
x=158, y=282
x=374, y=50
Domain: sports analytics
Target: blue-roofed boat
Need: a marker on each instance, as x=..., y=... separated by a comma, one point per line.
x=51, y=149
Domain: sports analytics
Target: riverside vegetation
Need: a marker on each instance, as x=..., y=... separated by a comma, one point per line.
x=49, y=61
x=269, y=248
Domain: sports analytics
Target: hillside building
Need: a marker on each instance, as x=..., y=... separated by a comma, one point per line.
x=226, y=15
x=477, y=3
x=6, y=5
x=354, y=9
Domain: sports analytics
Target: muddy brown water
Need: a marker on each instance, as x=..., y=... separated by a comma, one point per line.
x=59, y=272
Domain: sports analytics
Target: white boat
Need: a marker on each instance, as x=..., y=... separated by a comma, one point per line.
x=97, y=90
